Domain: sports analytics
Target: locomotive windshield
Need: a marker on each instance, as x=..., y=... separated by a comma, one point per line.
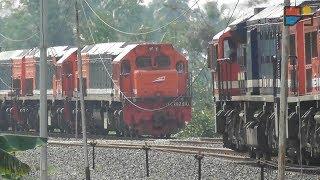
x=226, y=49
x=163, y=61
x=125, y=67
x=143, y=62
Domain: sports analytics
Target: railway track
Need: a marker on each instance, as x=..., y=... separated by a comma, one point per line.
x=182, y=146
x=150, y=144
x=71, y=136
x=198, y=142
x=291, y=167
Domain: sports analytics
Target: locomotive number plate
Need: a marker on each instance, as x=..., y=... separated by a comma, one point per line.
x=181, y=104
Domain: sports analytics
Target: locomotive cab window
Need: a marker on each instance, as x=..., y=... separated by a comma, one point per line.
x=180, y=67
x=241, y=52
x=292, y=45
x=228, y=49
x=212, y=56
x=143, y=62
x=314, y=44
x=215, y=55
x=311, y=46
x=125, y=67
x=162, y=61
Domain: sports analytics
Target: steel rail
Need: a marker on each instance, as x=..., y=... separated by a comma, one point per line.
x=292, y=167
x=211, y=139
x=205, y=141
x=214, y=152
x=193, y=150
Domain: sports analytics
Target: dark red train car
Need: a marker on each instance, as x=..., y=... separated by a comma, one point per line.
x=250, y=121
x=223, y=60
x=21, y=99
x=64, y=80
x=24, y=73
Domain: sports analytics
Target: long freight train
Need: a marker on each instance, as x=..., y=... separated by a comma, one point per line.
x=245, y=63
x=132, y=89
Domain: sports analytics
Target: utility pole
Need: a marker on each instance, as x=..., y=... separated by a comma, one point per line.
x=82, y=105
x=43, y=86
x=76, y=124
x=283, y=99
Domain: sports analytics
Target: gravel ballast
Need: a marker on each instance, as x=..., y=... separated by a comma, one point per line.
x=68, y=163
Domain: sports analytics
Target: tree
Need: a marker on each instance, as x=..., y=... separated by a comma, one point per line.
x=252, y=3
x=23, y=21
x=10, y=166
x=188, y=28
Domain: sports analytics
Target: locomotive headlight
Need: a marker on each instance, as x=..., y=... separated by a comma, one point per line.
x=180, y=67
x=317, y=117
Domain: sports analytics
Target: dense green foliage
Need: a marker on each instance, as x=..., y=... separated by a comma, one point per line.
x=190, y=33
x=10, y=166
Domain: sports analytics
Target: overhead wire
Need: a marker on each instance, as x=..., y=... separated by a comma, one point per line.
x=203, y=19
x=117, y=87
x=18, y=40
x=6, y=84
x=137, y=33
x=68, y=9
x=199, y=14
x=229, y=20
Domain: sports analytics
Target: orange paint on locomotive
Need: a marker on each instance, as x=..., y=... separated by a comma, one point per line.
x=148, y=76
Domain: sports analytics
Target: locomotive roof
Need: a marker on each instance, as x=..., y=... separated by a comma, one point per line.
x=271, y=12
x=247, y=14
x=66, y=55
x=275, y=12
x=130, y=46
x=217, y=36
x=125, y=51
x=113, y=48
x=56, y=51
x=7, y=55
